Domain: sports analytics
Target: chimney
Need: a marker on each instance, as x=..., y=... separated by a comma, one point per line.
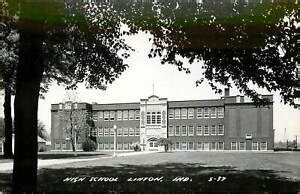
x=227, y=92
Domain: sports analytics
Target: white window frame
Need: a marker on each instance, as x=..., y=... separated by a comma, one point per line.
x=119, y=132
x=177, y=134
x=106, y=115
x=112, y=115
x=171, y=130
x=263, y=148
x=181, y=131
x=171, y=114
x=232, y=145
x=137, y=115
x=193, y=147
x=220, y=112
x=100, y=132
x=119, y=115
x=213, y=130
x=131, y=115
x=206, y=113
x=137, y=131
x=220, y=143
x=206, y=134
x=106, y=132
x=192, y=128
x=177, y=145
x=199, y=146
x=213, y=112
x=241, y=147
x=199, y=128
x=199, y=113
x=125, y=132
x=112, y=132
x=191, y=113
x=184, y=113
x=131, y=131
x=253, y=146
x=182, y=145
x=177, y=113
x=219, y=129
x=125, y=115
x=100, y=115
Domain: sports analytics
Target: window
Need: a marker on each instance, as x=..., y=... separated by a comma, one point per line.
x=95, y=116
x=106, y=116
x=137, y=115
x=199, y=113
x=242, y=145
x=111, y=146
x=177, y=131
x=60, y=106
x=254, y=146
x=68, y=106
x=206, y=130
x=263, y=146
x=100, y=115
x=213, y=113
x=171, y=131
x=199, y=130
x=100, y=146
x=183, y=146
x=100, y=132
x=220, y=129
x=213, y=130
x=137, y=131
x=213, y=145
x=233, y=146
x=125, y=146
x=220, y=112
x=119, y=146
x=112, y=115
x=131, y=114
x=206, y=146
x=106, y=132
x=177, y=113
x=177, y=146
x=183, y=131
x=221, y=146
x=158, y=117
x=148, y=118
x=131, y=132
x=125, y=114
x=191, y=145
x=119, y=115
x=199, y=146
x=119, y=132
x=106, y=146
x=153, y=119
x=183, y=113
x=191, y=113
x=125, y=132
x=112, y=132
x=191, y=130
x=206, y=112
x=171, y=113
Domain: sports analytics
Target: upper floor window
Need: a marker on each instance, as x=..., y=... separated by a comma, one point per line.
x=131, y=114
x=153, y=118
x=119, y=132
x=112, y=132
x=183, y=130
x=119, y=115
x=148, y=118
x=106, y=132
x=191, y=113
x=106, y=115
x=137, y=131
x=125, y=132
x=131, y=131
x=199, y=130
x=112, y=115
x=68, y=105
x=100, y=115
x=158, y=118
x=213, y=130
x=191, y=130
x=206, y=130
x=100, y=132
x=199, y=113
x=220, y=112
x=125, y=114
x=206, y=112
x=213, y=112
x=137, y=115
x=60, y=106
x=183, y=113
x=220, y=129
x=171, y=131
x=95, y=116
x=171, y=113
x=177, y=113
x=177, y=130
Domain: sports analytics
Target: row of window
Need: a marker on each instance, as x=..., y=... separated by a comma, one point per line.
x=189, y=113
x=116, y=115
x=120, y=132
x=255, y=146
x=201, y=130
x=153, y=118
x=120, y=146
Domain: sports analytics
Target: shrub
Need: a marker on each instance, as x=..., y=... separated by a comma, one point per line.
x=42, y=149
x=89, y=145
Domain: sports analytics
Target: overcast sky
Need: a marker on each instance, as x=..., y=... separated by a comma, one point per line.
x=137, y=82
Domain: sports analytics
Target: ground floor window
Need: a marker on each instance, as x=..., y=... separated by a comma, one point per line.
x=125, y=146
x=233, y=146
x=221, y=146
x=213, y=145
x=57, y=146
x=191, y=145
x=153, y=144
x=263, y=146
x=199, y=146
x=106, y=146
x=100, y=146
x=242, y=145
x=119, y=146
x=254, y=146
x=199, y=130
x=183, y=146
x=206, y=146
x=177, y=146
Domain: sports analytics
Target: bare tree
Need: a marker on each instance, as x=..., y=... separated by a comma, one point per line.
x=75, y=120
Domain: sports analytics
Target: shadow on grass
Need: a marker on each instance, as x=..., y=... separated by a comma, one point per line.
x=48, y=156
x=200, y=178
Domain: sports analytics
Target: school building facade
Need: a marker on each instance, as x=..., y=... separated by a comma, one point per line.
x=229, y=123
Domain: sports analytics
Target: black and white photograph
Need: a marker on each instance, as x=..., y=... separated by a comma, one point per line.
x=149, y=96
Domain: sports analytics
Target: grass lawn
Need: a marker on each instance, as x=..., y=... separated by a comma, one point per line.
x=208, y=172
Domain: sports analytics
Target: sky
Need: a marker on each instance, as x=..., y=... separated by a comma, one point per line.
x=143, y=73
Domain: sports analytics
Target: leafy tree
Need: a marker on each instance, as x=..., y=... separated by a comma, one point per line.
x=165, y=142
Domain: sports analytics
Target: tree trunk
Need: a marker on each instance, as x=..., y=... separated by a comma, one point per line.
x=8, y=122
x=29, y=76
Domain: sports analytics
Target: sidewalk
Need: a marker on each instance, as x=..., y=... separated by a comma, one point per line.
x=8, y=166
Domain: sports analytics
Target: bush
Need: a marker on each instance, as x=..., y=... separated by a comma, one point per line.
x=89, y=145
x=136, y=148
x=42, y=149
